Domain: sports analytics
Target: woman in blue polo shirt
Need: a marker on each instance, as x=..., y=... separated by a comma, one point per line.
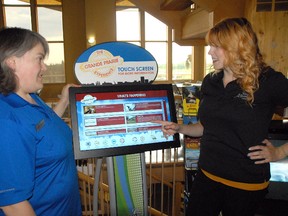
x=37, y=169
x=237, y=104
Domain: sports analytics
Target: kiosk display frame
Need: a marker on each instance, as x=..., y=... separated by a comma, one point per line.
x=118, y=119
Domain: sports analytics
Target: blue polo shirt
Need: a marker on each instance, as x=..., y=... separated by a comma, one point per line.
x=36, y=158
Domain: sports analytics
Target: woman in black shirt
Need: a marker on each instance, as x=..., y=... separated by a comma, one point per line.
x=237, y=103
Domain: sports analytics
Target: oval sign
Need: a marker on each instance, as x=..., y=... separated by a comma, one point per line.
x=113, y=63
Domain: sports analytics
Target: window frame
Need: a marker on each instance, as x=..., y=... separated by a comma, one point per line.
x=169, y=50
x=33, y=5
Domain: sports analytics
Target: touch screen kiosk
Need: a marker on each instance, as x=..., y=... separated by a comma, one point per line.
x=112, y=116
x=118, y=120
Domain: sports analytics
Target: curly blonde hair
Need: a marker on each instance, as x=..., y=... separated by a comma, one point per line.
x=242, y=55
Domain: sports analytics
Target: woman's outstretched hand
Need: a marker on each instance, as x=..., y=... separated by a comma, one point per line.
x=168, y=128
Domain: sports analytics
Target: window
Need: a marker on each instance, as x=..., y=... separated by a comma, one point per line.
x=264, y=5
x=281, y=5
x=17, y=14
x=156, y=37
x=156, y=42
x=182, y=65
x=131, y=32
x=47, y=16
x=271, y=5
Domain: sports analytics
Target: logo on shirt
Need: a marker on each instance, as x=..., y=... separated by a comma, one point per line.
x=242, y=95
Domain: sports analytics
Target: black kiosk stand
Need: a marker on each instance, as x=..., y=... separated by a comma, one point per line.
x=113, y=119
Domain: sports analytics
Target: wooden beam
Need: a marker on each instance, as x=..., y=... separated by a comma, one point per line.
x=175, y=5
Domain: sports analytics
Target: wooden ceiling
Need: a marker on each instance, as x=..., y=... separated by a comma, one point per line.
x=124, y=3
x=45, y=2
x=176, y=5
x=166, y=5
x=169, y=5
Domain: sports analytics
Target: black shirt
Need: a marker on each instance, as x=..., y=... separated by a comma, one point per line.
x=231, y=125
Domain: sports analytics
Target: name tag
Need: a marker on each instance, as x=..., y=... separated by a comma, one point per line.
x=40, y=125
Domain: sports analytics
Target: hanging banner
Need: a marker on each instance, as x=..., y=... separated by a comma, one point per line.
x=113, y=63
